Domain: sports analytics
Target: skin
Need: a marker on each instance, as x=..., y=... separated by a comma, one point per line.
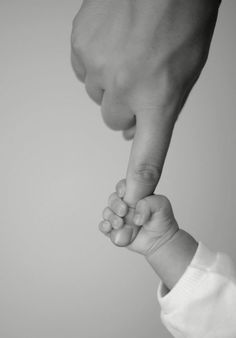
x=168, y=249
x=139, y=61
x=153, y=216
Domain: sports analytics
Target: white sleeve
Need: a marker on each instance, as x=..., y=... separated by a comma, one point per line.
x=203, y=302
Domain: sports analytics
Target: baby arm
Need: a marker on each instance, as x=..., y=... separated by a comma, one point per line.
x=197, y=293
x=167, y=248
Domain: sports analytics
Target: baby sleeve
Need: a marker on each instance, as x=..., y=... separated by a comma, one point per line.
x=203, y=302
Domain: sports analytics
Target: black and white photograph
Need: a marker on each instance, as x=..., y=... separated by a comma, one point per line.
x=117, y=169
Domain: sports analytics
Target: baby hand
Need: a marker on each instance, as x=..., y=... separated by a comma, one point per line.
x=153, y=217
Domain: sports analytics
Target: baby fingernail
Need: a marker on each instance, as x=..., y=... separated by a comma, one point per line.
x=123, y=236
x=122, y=209
x=120, y=192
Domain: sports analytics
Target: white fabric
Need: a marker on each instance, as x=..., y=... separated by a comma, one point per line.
x=203, y=302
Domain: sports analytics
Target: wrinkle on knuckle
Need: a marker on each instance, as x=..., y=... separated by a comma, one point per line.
x=147, y=173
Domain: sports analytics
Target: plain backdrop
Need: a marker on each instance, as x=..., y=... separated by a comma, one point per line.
x=59, y=276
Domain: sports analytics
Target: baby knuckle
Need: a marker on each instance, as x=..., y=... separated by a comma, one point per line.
x=122, y=210
x=162, y=200
x=111, y=199
x=115, y=220
x=147, y=173
x=119, y=207
x=114, y=204
x=106, y=213
x=165, y=206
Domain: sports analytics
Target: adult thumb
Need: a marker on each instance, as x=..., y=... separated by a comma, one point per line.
x=148, y=152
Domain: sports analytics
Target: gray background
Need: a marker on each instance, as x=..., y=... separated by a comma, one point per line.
x=59, y=277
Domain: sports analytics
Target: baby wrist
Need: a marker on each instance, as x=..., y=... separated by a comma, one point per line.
x=162, y=240
x=172, y=259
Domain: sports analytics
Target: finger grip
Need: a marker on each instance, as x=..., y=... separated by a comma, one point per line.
x=126, y=235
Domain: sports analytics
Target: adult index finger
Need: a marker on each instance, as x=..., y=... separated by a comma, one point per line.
x=148, y=152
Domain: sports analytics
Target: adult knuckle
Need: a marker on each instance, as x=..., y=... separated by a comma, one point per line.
x=84, y=46
x=78, y=40
x=77, y=45
x=98, y=60
x=122, y=77
x=147, y=173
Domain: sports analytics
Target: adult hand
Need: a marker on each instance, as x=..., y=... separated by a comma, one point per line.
x=139, y=60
